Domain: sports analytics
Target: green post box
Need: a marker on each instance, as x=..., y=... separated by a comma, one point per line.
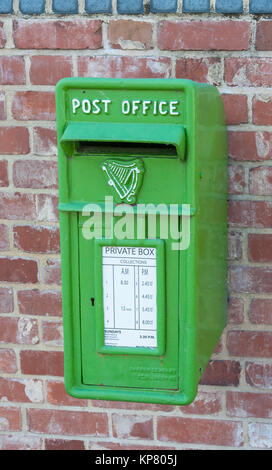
x=143, y=222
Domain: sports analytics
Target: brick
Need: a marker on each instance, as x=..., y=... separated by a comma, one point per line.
x=21, y=390
x=67, y=422
x=3, y=114
x=63, y=444
x=250, y=343
x=4, y=179
x=8, y=363
x=12, y=70
x=98, y=6
x=262, y=110
x=58, y=34
x=229, y=6
x=200, y=431
x=124, y=446
x=122, y=405
x=48, y=70
x=235, y=311
x=236, y=109
x=28, y=7
x=256, y=214
x=17, y=206
x=14, y=140
x=247, y=404
x=204, y=70
x=10, y=419
x=45, y=141
x=6, y=6
x=34, y=105
x=237, y=179
x=263, y=36
x=235, y=249
x=124, y=67
x=129, y=34
x=19, y=331
x=260, y=434
x=246, y=72
x=260, y=181
x=2, y=36
x=260, y=6
x=51, y=273
x=57, y=395
x=196, y=6
x=65, y=6
x=47, y=208
x=6, y=300
x=35, y=174
x=40, y=302
x=52, y=333
x=260, y=311
x=250, y=146
x=251, y=280
x=18, y=270
x=12, y=390
x=259, y=375
x=132, y=426
x=260, y=247
x=163, y=6
x=38, y=239
x=222, y=373
x=19, y=442
x=204, y=35
x=205, y=403
x=130, y=7
x=42, y=362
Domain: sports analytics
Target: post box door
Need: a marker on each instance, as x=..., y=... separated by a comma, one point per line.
x=140, y=348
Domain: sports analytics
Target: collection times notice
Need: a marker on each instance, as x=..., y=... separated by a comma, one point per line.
x=129, y=296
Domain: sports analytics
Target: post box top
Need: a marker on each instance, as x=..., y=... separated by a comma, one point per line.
x=127, y=83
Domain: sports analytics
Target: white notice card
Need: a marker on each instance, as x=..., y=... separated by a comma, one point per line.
x=130, y=296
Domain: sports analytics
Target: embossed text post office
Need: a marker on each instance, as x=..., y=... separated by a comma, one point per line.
x=143, y=222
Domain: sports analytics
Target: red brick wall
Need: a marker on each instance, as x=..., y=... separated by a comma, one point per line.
x=234, y=404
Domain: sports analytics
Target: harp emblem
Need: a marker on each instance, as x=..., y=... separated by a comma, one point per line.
x=125, y=177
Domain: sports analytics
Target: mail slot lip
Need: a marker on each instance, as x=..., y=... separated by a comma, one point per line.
x=167, y=134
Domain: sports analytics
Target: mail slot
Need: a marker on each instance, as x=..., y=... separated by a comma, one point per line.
x=143, y=224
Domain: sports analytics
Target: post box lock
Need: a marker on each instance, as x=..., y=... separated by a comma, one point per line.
x=143, y=224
